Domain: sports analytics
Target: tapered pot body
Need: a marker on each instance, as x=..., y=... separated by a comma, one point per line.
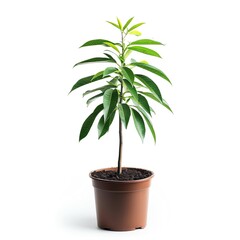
x=121, y=205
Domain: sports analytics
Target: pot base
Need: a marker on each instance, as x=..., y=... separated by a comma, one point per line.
x=130, y=229
x=121, y=205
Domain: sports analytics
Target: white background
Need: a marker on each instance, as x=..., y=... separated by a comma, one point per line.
x=44, y=185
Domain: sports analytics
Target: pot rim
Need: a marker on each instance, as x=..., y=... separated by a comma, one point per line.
x=119, y=181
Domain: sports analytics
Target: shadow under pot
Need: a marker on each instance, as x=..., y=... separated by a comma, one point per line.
x=121, y=205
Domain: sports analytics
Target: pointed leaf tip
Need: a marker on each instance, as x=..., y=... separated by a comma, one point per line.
x=127, y=23
x=144, y=50
x=95, y=42
x=89, y=122
x=135, y=26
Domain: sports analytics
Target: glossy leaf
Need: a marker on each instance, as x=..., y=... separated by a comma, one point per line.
x=135, y=26
x=95, y=42
x=114, y=24
x=150, y=95
x=110, y=57
x=112, y=46
x=144, y=103
x=109, y=70
x=139, y=123
x=128, y=74
x=131, y=89
x=113, y=53
x=114, y=81
x=152, y=110
x=137, y=84
x=119, y=23
x=152, y=86
x=83, y=81
x=110, y=99
x=127, y=23
x=145, y=42
x=89, y=122
x=126, y=55
x=152, y=69
x=124, y=113
x=144, y=50
x=149, y=123
x=97, y=75
x=135, y=32
x=96, y=59
x=163, y=102
x=103, y=89
x=103, y=126
x=90, y=100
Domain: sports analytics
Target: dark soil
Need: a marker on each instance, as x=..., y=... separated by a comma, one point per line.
x=126, y=175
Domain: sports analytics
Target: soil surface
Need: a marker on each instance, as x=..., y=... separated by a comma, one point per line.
x=127, y=174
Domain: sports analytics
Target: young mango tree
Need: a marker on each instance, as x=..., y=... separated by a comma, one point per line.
x=123, y=90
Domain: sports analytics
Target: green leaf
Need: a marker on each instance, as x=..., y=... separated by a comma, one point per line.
x=103, y=89
x=135, y=26
x=131, y=89
x=139, y=123
x=95, y=42
x=110, y=99
x=135, y=32
x=112, y=53
x=89, y=122
x=127, y=54
x=109, y=70
x=145, y=42
x=114, y=24
x=124, y=113
x=83, y=81
x=137, y=84
x=144, y=61
x=114, y=81
x=150, y=95
x=149, y=123
x=112, y=46
x=110, y=57
x=144, y=103
x=97, y=75
x=103, y=126
x=163, y=102
x=128, y=74
x=90, y=100
x=96, y=59
x=152, y=86
x=127, y=23
x=152, y=110
x=152, y=69
x=119, y=23
x=144, y=50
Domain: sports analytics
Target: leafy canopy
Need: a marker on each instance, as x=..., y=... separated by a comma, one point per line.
x=122, y=90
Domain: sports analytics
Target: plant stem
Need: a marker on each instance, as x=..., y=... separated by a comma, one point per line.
x=119, y=170
x=120, y=138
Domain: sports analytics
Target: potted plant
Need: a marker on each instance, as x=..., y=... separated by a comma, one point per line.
x=121, y=193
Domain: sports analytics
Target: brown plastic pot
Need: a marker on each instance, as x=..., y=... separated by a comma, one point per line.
x=121, y=205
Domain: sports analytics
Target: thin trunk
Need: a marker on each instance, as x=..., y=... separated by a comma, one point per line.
x=120, y=122
x=120, y=138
